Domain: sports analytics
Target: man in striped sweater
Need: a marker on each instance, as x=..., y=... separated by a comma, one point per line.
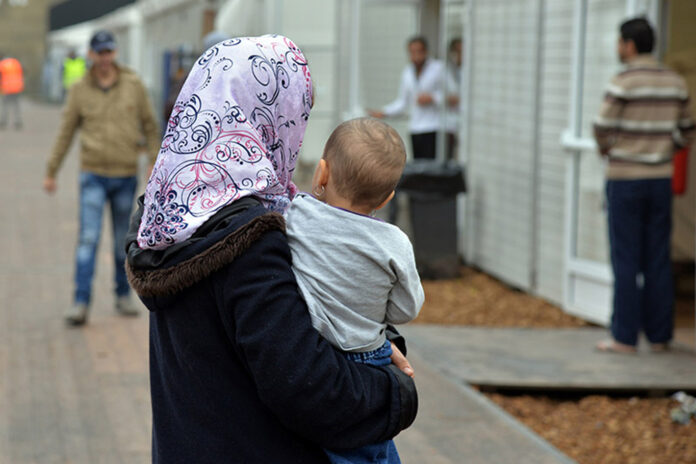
x=644, y=118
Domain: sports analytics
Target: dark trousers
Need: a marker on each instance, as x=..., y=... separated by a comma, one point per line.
x=640, y=225
x=424, y=145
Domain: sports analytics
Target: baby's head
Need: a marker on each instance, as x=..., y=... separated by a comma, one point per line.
x=362, y=163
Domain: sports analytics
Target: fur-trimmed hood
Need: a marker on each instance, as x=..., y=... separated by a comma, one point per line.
x=225, y=236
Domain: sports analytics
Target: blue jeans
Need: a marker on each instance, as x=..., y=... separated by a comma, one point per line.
x=377, y=453
x=640, y=226
x=95, y=191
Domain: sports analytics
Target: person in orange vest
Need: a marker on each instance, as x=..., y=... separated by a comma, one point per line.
x=11, y=86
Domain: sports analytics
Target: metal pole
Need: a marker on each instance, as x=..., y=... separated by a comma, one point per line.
x=462, y=154
x=442, y=39
x=470, y=35
x=137, y=39
x=536, y=146
x=354, y=107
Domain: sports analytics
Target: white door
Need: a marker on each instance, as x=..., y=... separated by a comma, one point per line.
x=588, y=276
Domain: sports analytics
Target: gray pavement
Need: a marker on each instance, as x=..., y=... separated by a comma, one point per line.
x=81, y=395
x=456, y=424
x=66, y=395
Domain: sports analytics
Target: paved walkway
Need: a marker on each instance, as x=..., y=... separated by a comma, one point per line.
x=66, y=395
x=81, y=395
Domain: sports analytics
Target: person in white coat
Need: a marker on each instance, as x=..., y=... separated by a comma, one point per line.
x=420, y=94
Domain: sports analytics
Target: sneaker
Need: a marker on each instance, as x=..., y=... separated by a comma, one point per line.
x=126, y=307
x=77, y=314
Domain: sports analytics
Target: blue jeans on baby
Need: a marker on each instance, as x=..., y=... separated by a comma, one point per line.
x=377, y=453
x=95, y=191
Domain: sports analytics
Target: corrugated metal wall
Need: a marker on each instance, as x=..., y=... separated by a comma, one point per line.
x=385, y=28
x=312, y=25
x=516, y=201
x=601, y=63
x=168, y=30
x=501, y=137
x=557, y=46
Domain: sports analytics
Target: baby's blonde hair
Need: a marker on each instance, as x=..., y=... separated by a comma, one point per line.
x=366, y=158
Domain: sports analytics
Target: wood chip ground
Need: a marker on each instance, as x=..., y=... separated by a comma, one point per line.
x=591, y=429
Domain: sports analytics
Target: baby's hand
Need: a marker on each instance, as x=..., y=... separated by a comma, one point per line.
x=401, y=362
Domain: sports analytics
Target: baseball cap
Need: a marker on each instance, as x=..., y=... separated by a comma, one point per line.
x=102, y=40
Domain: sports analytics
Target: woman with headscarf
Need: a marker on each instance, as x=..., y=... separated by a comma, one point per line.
x=237, y=372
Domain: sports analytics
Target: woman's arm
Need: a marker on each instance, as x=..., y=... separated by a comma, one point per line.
x=309, y=385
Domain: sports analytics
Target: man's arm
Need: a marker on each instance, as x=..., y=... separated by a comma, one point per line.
x=310, y=386
x=685, y=124
x=149, y=125
x=609, y=119
x=69, y=124
x=400, y=105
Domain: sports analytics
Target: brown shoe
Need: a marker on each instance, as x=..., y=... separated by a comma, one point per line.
x=612, y=346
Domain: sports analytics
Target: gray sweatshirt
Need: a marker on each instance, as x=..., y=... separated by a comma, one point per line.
x=357, y=274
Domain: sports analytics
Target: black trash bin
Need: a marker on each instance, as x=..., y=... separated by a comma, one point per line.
x=432, y=187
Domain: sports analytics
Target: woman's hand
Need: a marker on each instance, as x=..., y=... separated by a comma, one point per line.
x=401, y=362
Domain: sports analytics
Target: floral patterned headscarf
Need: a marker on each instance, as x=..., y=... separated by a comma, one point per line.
x=235, y=131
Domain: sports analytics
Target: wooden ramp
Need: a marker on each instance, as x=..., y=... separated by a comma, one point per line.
x=457, y=424
x=548, y=359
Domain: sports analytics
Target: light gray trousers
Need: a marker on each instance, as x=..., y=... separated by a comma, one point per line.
x=10, y=102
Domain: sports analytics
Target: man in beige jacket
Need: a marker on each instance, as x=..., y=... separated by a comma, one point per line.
x=111, y=108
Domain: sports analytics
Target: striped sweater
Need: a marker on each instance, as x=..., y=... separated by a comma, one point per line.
x=644, y=118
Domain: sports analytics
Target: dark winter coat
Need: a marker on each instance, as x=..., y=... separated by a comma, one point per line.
x=237, y=373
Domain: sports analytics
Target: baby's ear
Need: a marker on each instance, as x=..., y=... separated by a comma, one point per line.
x=323, y=172
x=384, y=203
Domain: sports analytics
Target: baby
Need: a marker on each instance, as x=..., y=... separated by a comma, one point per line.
x=356, y=273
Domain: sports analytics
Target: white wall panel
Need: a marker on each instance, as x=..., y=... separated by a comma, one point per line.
x=501, y=136
x=385, y=27
x=309, y=22
x=168, y=30
x=312, y=25
x=601, y=63
x=557, y=45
